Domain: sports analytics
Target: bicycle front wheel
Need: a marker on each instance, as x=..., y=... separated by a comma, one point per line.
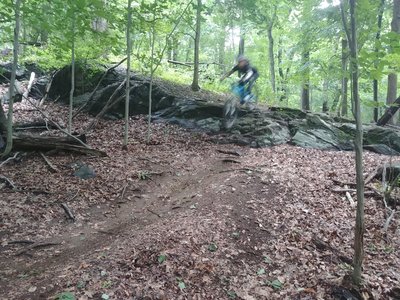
x=230, y=112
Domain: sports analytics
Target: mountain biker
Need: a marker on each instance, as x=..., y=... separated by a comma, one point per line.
x=248, y=75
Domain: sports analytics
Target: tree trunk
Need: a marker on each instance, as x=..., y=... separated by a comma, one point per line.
x=392, y=78
x=9, y=144
x=241, y=43
x=358, y=143
x=325, y=107
x=389, y=113
x=128, y=72
x=271, y=51
x=271, y=57
x=195, y=83
x=221, y=50
x=345, y=61
x=152, y=70
x=305, y=94
x=46, y=143
x=375, y=81
x=71, y=93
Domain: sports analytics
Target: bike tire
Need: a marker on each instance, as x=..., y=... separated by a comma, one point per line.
x=230, y=113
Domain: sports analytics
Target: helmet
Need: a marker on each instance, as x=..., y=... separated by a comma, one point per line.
x=241, y=57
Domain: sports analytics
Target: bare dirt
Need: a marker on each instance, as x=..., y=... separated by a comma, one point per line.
x=177, y=219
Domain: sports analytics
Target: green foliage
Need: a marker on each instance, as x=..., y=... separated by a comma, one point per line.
x=65, y=296
x=297, y=26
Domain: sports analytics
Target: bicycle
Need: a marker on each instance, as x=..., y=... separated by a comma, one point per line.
x=230, y=110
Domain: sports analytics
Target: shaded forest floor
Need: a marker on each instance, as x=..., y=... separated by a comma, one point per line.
x=177, y=219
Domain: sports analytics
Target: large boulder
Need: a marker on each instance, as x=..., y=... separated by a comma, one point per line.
x=314, y=132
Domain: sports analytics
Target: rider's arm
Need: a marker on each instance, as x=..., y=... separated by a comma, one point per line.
x=233, y=70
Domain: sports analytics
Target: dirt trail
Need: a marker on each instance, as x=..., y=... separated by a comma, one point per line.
x=206, y=225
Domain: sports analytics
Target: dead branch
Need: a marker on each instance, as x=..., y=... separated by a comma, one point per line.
x=123, y=192
x=235, y=153
x=41, y=102
x=7, y=181
x=36, y=246
x=352, y=203
x=31, y=79
x=387, y=223
x=9, y=159
x=153, y=212
x=97, y=87
x=372, y=175
x=51, y=166
x=229, y=160
x=241, y=169
x=68, y=212
x=20, y=242
x=110, y=102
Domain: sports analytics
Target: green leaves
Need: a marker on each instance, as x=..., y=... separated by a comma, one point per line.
x=162, y=258
x=212, y=247
x=65, y=296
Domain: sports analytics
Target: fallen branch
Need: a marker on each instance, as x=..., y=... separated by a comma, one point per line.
x=7, y=181
x=229, y=160
x=36, y=246
x=68, y=212
x=31, y=79
x=154, y=213
x=51, y=166
x=41, y=102
x=371, y=176
x=235, y=153
x=97, y=87
x=123, y=192
x=110, y=102
x=352, y=203
x=21, y=242
x=387, y=223
x=241, y=169
x=9, y=159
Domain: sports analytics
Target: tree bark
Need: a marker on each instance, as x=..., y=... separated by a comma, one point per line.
x=9, y=144
x=305, y=94
x=358, y=143
x=42, y=143
x=271, y=51
x=375, y=81
x=195, y=83
x=325, y=107
x=392, y=78
x=128, y=72
x=221, y=50
x=345, y=61
x=71, y=93
x=389, y=113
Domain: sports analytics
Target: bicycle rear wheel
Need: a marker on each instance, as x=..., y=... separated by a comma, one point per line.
x=230, y=112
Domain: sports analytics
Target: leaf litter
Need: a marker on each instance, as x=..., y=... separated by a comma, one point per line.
x=251, y=235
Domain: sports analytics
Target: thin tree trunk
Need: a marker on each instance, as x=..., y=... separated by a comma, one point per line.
x=271, y=58
x=358, y=143
x=305, y=94
x=375, y=81
x=128, y=72
x=221, y=50
x=71, y=93
x=271, y=51
x=345, y=79
x=241, y=43
x=9, y=144
x=325, y=107
x=153, y=37
x=195, y=83
x=392, y=78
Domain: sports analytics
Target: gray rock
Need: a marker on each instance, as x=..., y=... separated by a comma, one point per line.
x=84, y=172
x=210, y=124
